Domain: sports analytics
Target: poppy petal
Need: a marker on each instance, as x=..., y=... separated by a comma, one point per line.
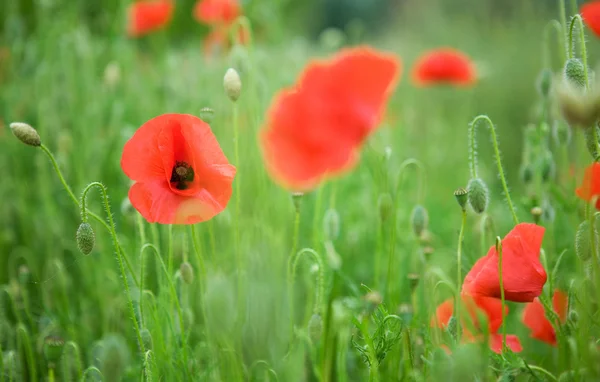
x=148, y=16
x=444, y=66
x=560, y=303
x=141, y=160
x=590, y=186
x=534, y=317
x=216, y=11
x=512, y=342
x=591, y=16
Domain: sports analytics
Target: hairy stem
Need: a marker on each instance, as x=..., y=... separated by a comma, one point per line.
x=499, y=251
x=461, y=236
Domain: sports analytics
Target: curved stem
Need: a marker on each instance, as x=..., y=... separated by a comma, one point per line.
x=24, y=342
x=120, y=256
x=461, y=236
x=543, y=371
x=472, y=128
x=577, y=19
x=173, y=296
x=499, y=251
x=255, y=364
x=560, y=34
x=320, y=275
x=76, y=201
x=89, y=370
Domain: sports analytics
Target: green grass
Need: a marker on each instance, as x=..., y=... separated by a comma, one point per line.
x=56, y=80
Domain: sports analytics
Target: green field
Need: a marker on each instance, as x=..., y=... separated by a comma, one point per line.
x=334, y=285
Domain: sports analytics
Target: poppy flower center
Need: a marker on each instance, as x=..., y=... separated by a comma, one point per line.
x=182, y=175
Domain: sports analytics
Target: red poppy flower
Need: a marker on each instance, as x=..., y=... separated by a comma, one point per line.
x=217, y=11
x=590, y=12
x=444, y=66
x=491, y=307
x=590, y=187
x=181, y=174
x=148, y=16
x=534, y=317
x=316, y=128
x=522, y=273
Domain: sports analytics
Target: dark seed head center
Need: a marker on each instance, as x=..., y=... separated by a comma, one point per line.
x=181, y=175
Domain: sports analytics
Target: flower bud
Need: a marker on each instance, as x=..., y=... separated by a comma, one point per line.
x=419, y=219
x=207, y=114
x=406, y=312
x=85, y=238
x=478, y=195
x=578, y=107
x=548, y=166
x=561, y=133
x=544, y=82
x=26, y=134
x=315, y=327
x=582, y=241
x=232, y=84
x=385, y=205
x=187, y=272
x=452, y=327
x=24, y=274
x=574, y=72
x=374, y=298
x=53, y=349
x=461, y=196
x=536, y=214
x=526, y=173
x=413, y=280
x=590, y=141
x=331, y=224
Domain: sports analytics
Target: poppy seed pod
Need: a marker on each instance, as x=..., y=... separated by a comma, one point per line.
x=187, y=272
x=53, y=349
x=544, y=82
x=331, y=224
x=385, y=205
x=26, y=134
x=582, y=240
x=413, y=280
x=478, y=195
x=315, y=327
x=207, y=114
x=574, y=72
x=419, y=219
x=85, y=238
x=536, y=214
x=462, y=196
x=232, y=84
x=297, y=200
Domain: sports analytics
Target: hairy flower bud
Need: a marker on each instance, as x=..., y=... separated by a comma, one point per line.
x=26, y=134
x=536, y=214
x=419, y=219
x=544, y=82
x=187, y=272
x=583, y=248
x=548, y=166
x=478, y=195
x=526, y=173
x=232, y=84
x=315, y=327
x=85, y=238
x=561, y=133
x=574, y=72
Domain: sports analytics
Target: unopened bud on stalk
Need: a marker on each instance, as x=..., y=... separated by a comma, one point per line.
x=526, y=173
x=232, y=84
x=478, y=195
x=452, y=327
x=561, y=133
x=573, y=317
x=548, y=166
x=187, y=272
x=85, y=238
x=590, y=141
x=419, y=220
x=297, y=200
x=536, y=214
x=462, y=196
x=53, y=349
x=406, y=311
x=579, y=107
x=544, y=82
x=583, y=248
x=207, y=114
x=315, y=327
x=331, y=224
x=146, y=338
x=26, y=134
x=428, y=251
x=413, y=280
x=24, y=274
x=574, y=72
x=373, y=298
x=385, y=205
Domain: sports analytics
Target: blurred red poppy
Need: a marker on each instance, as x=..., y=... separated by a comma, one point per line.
x=147, y=16
x=217, y=11
x=316, y=128
x=534, y=317
x=522, y=273
x=590, y=12
x=218, y=40
x=491, y=307
x=590, y=186
x=181, y=174
x=444, y=66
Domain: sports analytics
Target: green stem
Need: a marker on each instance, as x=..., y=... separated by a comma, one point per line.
x=76, y=201
x=593, y=243
x=563, y=21
x=120, y=256
x=202, y=275
x=173, y=297
x=320, y=275
x=317, y=218
x=420, y=192
x=409, y=359
x=543, y=371
x=290, y=275
x=170, y=248
x=24, y=342
x=461, y=236
x=502, y=299
x=472, y=129
x=90, y=370
x=373, y=361
x=1, y=365
x=560, y=29
x=239, y=259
